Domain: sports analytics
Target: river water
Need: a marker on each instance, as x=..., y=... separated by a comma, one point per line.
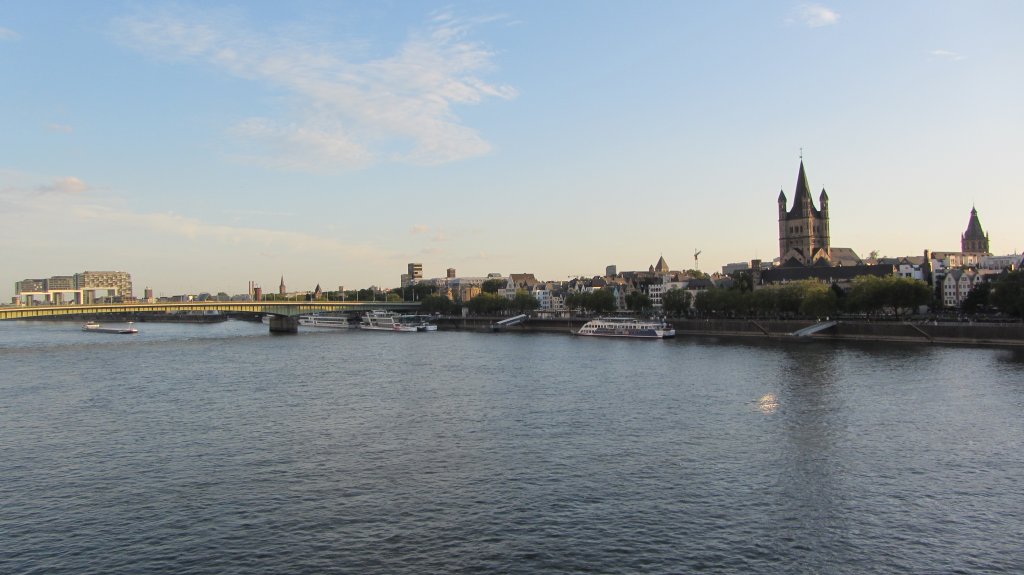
x=223, y=449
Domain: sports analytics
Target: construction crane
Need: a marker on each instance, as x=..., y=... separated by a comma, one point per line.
x=695, y=254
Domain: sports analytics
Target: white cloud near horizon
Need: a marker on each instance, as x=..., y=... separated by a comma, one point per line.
x=437, y=234
x=816, y=15
x=66, y=185
x=79, y=211
x=947, y=55
x=349, y=111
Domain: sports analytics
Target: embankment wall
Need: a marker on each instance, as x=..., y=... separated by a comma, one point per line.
x=924, y=332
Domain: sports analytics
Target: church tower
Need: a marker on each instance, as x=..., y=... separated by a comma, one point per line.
x=974, y=241
x=803, y=229
x=281, y=289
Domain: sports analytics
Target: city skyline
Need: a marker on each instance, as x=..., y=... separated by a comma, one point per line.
x=201, y=146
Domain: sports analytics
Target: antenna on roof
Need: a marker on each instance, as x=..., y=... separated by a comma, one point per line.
x=695, y=254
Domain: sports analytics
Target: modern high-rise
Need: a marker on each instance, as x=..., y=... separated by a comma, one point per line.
x=85, y=287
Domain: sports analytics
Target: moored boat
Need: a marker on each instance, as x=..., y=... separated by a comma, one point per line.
x=627, y=327
x=328, y=321
x=381, y=320
x=93, y=327
x=422, y=322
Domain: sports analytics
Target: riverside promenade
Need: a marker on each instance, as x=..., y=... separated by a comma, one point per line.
x=959, y=333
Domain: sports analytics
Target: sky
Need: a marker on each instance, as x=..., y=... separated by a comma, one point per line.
x=203, y=145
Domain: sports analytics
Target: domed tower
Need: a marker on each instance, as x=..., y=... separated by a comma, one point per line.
x=803, y=230
x=974, y=241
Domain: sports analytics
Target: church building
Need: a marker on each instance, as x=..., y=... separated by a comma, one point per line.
x=803, y=229
x=974, y=241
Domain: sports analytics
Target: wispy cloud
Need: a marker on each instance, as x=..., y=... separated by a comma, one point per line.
x=947, y=55
x=102, y=213
x=67, y=185
x=60, y=128
x=8, y=34
x=437, y=235
x=350, y=111
x=816, y=15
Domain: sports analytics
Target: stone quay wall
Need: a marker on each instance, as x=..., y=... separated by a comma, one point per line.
x=969, y=333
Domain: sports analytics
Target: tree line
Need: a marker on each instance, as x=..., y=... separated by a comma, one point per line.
x=1006, y=294
x=892, y=295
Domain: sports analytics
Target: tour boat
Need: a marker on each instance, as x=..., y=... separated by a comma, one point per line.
x=329, y=321
x=93, y=327
x=627, y=327
x=422, y=322
x=381, y=320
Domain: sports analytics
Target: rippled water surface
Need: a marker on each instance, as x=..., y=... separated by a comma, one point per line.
x=222, y=449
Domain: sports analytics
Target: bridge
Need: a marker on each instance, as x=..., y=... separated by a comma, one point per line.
x=811, y=330
x=284, y=314
x=515, y=320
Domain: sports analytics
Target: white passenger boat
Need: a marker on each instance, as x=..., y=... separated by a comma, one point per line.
x=422, y=322
x=627, y=327
x=381, y=320
x=93, y=327
x=328, y=321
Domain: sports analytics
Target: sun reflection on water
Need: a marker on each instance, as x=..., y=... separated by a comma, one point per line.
x=768, y=403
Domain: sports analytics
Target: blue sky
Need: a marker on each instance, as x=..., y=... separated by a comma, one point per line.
x=202, y=145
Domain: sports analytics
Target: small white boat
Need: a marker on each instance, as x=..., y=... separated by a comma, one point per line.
x=93, y=327
x=328, y=321
x=627, y=327
x=381, y=320
x=422, y=322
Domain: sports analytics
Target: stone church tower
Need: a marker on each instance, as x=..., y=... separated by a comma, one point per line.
x=803, y=230
x=974, y=241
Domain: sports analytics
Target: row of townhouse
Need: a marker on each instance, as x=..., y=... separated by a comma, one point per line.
x=956, y=284
x=551, y=296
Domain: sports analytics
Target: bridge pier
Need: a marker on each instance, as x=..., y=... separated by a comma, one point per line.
x=284, y=324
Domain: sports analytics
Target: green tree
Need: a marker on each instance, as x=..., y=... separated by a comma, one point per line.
x=638, y=302
x=603, y=301
x=819, y=303
x=789, y=297
x=764, y=301
x=524, y=302
x=488, y=304
x=704, y=302
x=676, y=302
x=1008, y=293
x=891, y=294
x=977, y=298
x=712, y=301
x=493, y=285
x=598, y=301
x=436, y=304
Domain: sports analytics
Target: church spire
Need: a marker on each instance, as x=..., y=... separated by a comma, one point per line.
x=803, y=189
x=974, y=239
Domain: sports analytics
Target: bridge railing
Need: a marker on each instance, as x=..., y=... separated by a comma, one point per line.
x=287, y=308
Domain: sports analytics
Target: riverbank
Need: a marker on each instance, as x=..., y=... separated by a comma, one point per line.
x=960, y=333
